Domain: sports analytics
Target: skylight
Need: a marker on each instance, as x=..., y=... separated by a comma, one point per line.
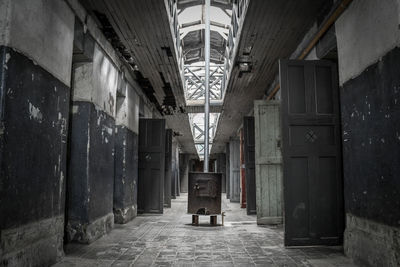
x=188, y=25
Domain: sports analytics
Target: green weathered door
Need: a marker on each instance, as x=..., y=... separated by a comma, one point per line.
x=268, y=160
x=234, y=184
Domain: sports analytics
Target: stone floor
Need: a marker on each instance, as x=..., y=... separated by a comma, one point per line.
x=170, y=240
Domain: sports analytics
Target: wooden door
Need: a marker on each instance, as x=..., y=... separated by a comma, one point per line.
x=268, y=161
x=242, y=173
x=313, y=189
x=175, y=171
x=151, y=165
x=221, y=168
x=168, y=168
x=249, y=164
x=228, y=172
x=234, y=184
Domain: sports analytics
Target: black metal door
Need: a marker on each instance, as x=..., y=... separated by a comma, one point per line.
x=249, y=163
x=173, y=173
x=312, y=163
x=151, y=165
x=168, y=168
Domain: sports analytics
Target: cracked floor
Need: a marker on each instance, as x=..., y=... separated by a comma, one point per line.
x=170, y=240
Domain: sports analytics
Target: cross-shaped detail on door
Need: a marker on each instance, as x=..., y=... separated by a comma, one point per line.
x=311, y=136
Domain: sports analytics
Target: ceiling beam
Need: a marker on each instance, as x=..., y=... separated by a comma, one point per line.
x=182, y=4
x=222, y=31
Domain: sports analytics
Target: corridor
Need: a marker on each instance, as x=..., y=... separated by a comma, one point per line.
x=121, y=119
x=171, y=240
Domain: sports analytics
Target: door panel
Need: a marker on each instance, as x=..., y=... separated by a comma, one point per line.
x=311, y=153
x=242, y=172
x=168, y=169
x=151, y=165
x=221, y=168
x=249, y=163
x=228, y=172
x=234, y=149
x=268, y=162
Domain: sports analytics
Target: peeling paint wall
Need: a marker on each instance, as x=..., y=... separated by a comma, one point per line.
x=96, y=82
x=369, y=67
x=127, y=112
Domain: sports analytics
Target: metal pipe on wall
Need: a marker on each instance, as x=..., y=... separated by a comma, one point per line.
x=207, y=85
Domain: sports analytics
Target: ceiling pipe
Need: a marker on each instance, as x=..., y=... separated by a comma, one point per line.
x=207, y=85
x=322, y=30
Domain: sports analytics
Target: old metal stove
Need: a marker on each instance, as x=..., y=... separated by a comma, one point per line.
x=204, y=195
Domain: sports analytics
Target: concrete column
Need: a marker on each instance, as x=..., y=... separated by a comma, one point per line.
x=36, y=39
x=91, y=168
x=126, y=154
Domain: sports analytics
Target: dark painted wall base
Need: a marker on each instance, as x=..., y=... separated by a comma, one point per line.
x=86, y=233
x=33, y=142
x=35, y=244
x=371, y=141
x=371, y=244
x=91, y=172
x=126, y=174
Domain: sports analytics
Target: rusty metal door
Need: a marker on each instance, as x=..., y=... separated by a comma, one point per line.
x=168, y=168
x=151, y=165
x=234, y=184
x=268, y=158
x=311, y=153
x=249, y=164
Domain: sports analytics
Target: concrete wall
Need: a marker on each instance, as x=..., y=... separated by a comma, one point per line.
x=376, y=26
x=30, y=26
x=36, y=39
x=127, y=113
x=369, y=66
x=37, y=51
x=104, y=135
x=106, y=120
x=96, y=82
